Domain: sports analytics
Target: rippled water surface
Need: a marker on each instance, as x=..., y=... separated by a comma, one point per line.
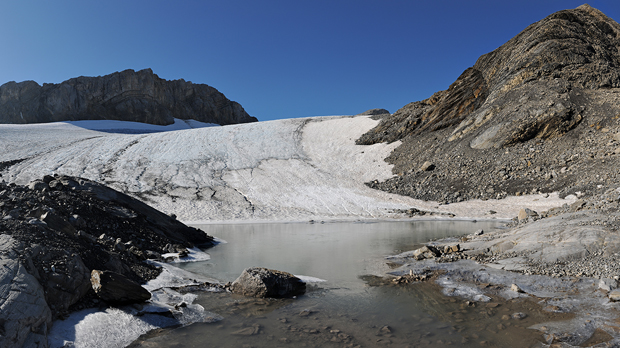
x=344, y=310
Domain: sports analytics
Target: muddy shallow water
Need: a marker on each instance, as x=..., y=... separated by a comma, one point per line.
x=349, y=308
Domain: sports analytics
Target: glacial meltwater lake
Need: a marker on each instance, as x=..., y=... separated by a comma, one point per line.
x=344, y=310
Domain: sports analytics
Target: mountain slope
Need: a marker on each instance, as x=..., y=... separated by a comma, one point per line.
x=128, y=96
x=536, y=114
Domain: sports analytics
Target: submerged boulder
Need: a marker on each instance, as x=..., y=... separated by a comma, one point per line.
x=263, y=282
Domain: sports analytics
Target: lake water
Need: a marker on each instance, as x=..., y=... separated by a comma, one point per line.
x=347, y=309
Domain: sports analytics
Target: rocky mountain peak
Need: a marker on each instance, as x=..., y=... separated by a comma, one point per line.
x=518, y=112
x=566, y=52
x=129, y=95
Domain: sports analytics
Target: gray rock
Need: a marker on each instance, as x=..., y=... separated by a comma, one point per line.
x=425, y=252
x=263, y=282
x=115, y=288
x=24, y=313
x=607, y=284
x=526, y=213
x=614, y=295
x=57, y=223
x=427, y=167
x=66, y=288
x=77, y=221
x=37, y=185
x=139, y=96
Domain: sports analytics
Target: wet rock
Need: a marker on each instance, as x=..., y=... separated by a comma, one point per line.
x=115, y=288
x=248, y=331
x=518, y=315
x=263, y=282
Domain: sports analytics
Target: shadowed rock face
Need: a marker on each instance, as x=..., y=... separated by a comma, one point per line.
x=128, y=96
x=527, y=88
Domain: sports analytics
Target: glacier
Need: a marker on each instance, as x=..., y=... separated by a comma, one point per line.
x=284, y=170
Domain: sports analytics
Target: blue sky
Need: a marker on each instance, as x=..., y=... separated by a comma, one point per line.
x=279, y=59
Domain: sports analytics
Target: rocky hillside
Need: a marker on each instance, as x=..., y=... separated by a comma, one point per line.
x=538, y=114
x=128, y=96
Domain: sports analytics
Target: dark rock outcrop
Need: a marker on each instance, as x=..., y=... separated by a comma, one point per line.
x=538, y=114
x=55, y=232
x=263, y=282
x=127, y=95
x=115, y=288
x=527, y=88
x=375, y=112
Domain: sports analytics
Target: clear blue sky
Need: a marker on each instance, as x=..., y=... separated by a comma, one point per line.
x=279, y=59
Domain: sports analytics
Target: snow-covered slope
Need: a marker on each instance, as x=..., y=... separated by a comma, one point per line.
x=295, y=169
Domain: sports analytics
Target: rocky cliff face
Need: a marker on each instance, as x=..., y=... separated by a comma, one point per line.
x=503, y=125
x=128, y=95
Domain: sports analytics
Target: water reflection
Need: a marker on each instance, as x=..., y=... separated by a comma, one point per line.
x=345, y=310
x=337, y=252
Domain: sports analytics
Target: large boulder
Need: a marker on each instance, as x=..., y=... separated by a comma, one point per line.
x=139, y=96
x=68, y=287
x=24, y=315
x=115, y=288
x=263, y=282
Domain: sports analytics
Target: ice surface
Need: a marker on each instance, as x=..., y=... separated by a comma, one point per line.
x=308, y=279
x=194, y=255
x=118, y=327
x=286, y=170
x=110, y=328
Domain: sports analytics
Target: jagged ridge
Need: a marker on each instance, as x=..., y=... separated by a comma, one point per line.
x=127, y=95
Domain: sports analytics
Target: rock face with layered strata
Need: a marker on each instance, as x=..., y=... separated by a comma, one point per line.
x=527, y=88
x=139, y=96
x=538, y=114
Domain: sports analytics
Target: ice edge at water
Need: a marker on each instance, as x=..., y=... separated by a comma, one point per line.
x=118, y=327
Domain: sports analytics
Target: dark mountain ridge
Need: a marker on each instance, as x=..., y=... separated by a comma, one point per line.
x=537, y=114
x=139, y=96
